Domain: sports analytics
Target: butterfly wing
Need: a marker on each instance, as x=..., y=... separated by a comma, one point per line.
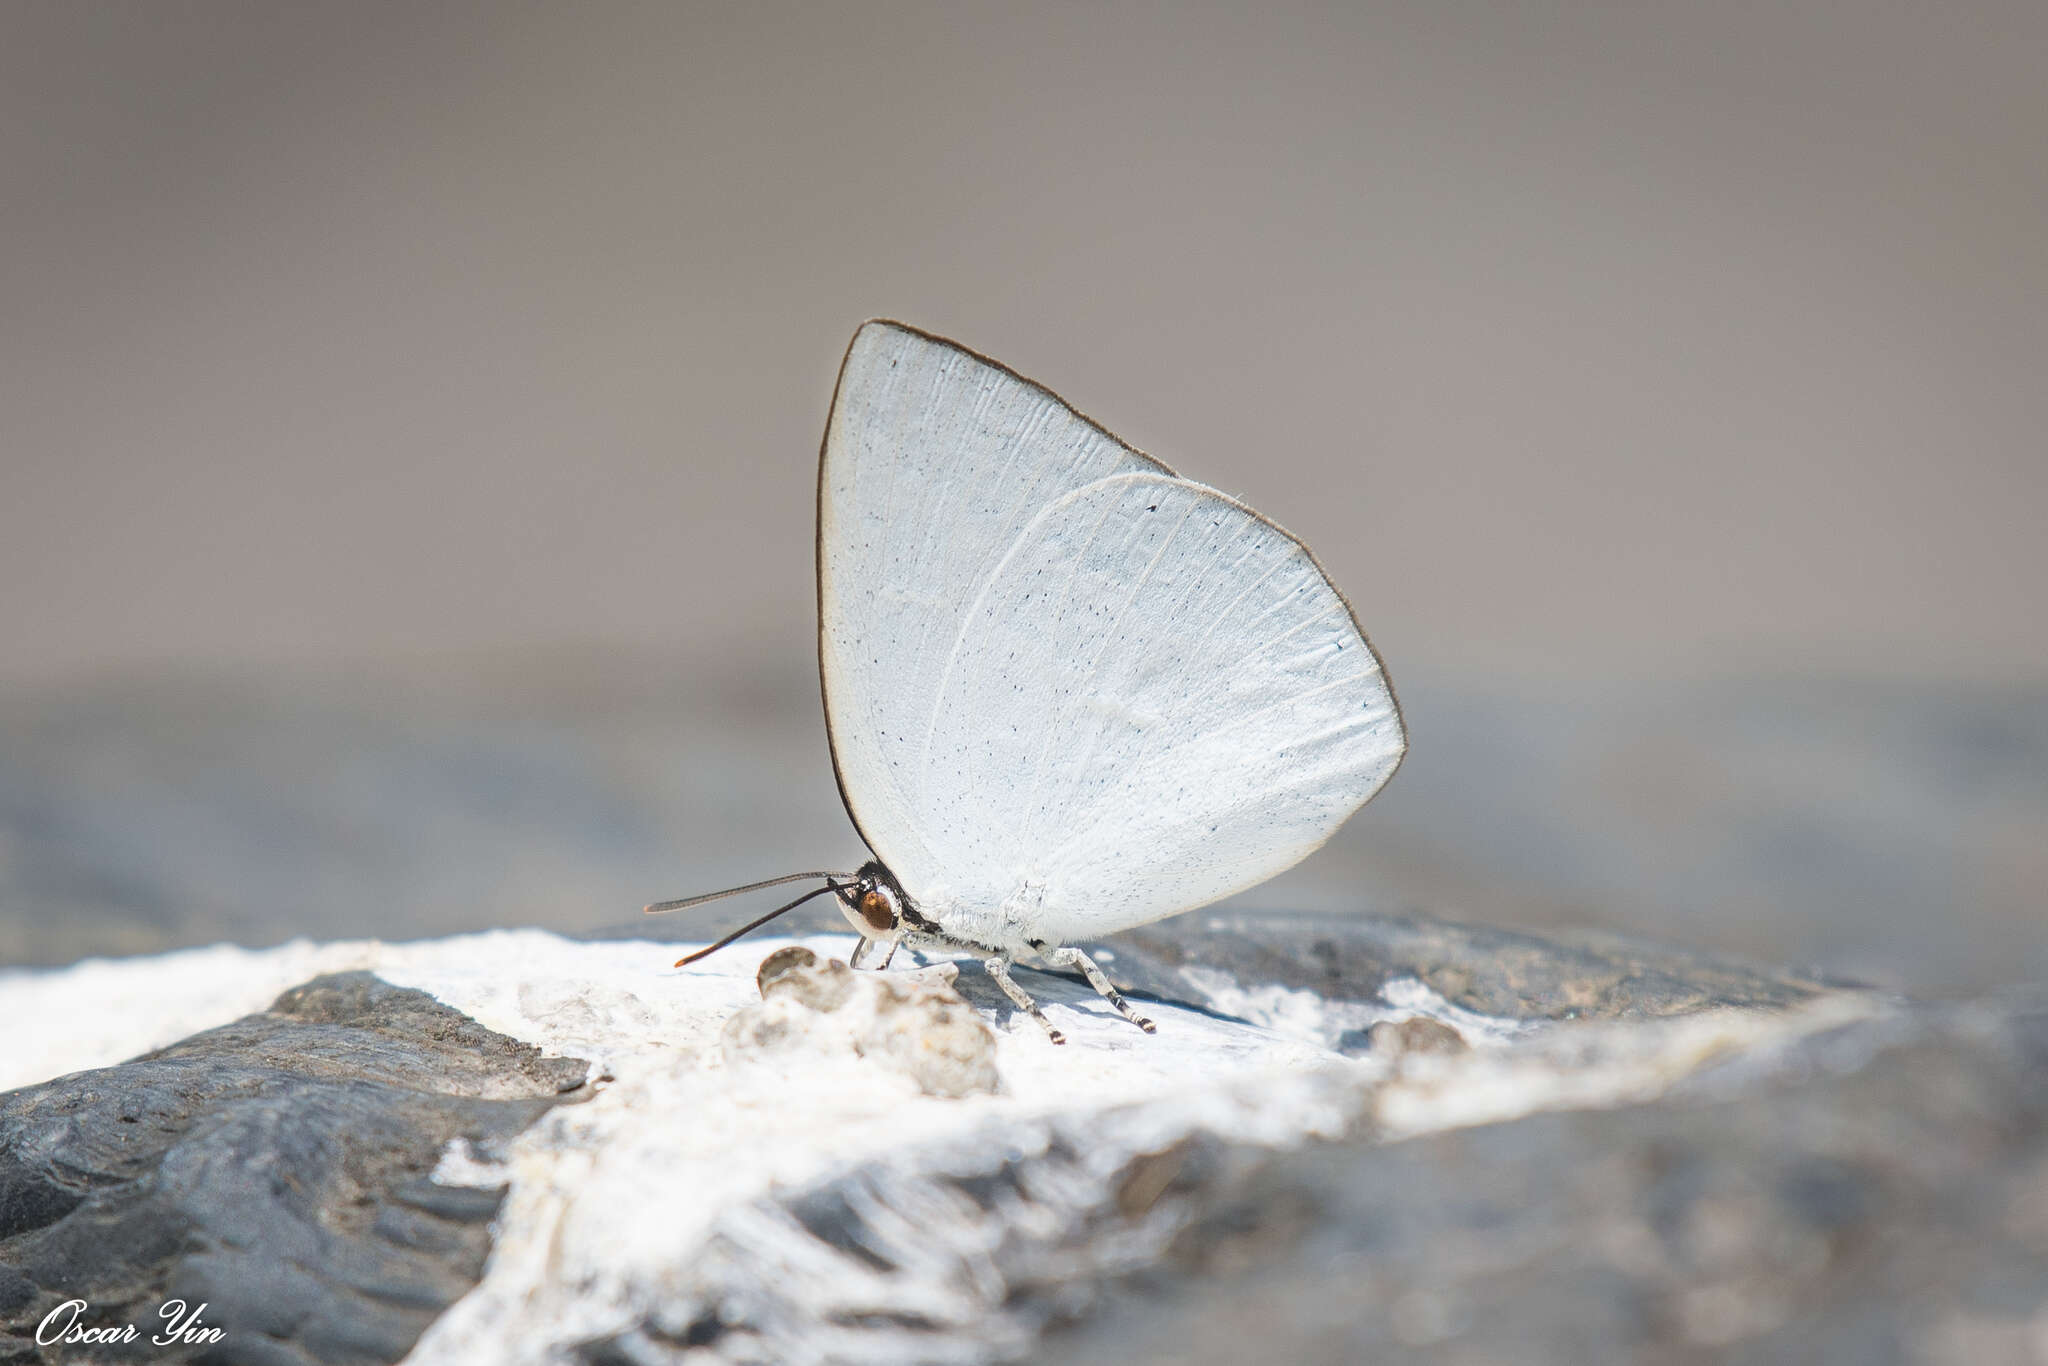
x=1063, y=684
x=1155, y=701
x=934, y=459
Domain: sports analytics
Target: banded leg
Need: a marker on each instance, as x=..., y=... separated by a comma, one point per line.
x=999, y=968
x=866, y=945
x=1068, y=956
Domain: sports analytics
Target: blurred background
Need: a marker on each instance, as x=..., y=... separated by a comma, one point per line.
x=408, y=417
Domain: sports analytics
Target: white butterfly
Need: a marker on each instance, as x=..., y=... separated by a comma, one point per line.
x=1068, y=692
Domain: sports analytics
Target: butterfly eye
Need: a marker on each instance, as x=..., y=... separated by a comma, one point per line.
x=877, y=912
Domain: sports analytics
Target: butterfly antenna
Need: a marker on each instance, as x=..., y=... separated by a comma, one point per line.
x=683, y=905
x=832, y=884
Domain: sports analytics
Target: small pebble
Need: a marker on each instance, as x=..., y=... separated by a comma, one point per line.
x=1397, y=1038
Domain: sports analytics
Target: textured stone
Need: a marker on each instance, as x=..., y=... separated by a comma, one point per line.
x=1881, y=1195
x=275, y=1169
x=1494, y=972
x=1351, y=1138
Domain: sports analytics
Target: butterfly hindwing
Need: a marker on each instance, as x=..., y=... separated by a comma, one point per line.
x=1156, y=700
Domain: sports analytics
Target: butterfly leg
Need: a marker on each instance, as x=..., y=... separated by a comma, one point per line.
x=999, y=968
x=866, y=946
x=1068, y=956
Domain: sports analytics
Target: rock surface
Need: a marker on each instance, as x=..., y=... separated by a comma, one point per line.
x=771, y=1180
x=1352, y=1138
x=1250, y=964
x=1879, y=1194
x=275, y=1169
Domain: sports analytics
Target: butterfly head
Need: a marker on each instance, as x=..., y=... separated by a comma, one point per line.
x=873, y=903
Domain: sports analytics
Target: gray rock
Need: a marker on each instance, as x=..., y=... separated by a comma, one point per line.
x=1874, y=1193
x=1879, y=1198
x=1495, y=972
x=977, y=1249
x=1211, y=959
x=275, y=1169
x=1829, y=1174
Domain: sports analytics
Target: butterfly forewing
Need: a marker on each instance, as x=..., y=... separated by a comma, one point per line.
x=934, y=461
